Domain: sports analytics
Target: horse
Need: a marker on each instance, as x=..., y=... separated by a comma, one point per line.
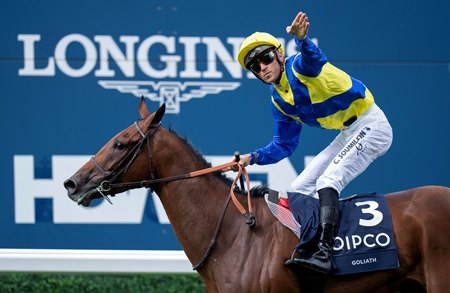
x=229, y=256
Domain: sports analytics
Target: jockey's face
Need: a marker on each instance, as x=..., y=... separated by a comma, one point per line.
x=269, y=72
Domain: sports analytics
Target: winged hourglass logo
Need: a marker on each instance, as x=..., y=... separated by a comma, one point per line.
x=169, y=92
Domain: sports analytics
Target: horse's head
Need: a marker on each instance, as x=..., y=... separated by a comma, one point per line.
x=117, y=161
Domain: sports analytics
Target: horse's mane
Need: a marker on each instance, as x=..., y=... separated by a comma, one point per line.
x=258, y=191
x=200, y=158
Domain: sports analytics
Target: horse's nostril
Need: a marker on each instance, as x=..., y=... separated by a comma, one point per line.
x=70, y=185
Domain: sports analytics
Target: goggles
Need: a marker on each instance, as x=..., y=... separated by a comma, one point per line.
x=265, y=58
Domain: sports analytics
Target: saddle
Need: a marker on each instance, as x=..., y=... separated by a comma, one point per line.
x=365, y=241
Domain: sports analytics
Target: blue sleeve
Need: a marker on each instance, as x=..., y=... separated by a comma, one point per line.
x=311, y=61
x=284, y=141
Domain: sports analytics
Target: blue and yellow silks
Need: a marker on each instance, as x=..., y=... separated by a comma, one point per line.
x=311, y=91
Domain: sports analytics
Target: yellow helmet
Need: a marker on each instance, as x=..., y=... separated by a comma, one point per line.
x=255, y=40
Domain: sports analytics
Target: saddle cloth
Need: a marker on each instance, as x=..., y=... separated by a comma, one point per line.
x=365, y=241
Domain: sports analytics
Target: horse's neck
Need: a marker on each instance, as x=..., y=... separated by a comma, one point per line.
x=192, y=205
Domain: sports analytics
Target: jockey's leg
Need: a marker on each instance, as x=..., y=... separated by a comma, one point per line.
x=306, y=182
x=329, y=222
x=366, y=140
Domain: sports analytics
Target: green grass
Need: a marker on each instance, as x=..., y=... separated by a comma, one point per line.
x=80, y=283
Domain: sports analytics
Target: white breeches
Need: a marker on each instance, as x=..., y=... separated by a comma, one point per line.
x=350, y=153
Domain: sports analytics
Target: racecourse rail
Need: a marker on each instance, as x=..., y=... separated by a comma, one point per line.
x=104, y=261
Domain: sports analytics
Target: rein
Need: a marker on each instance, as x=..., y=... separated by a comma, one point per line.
x=110, y=176
x=222, y=168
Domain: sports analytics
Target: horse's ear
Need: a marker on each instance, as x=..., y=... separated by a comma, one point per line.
x=153, y=118
x=143, y=109
x=159, y=114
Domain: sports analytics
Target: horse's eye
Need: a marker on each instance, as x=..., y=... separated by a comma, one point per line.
x=119, y=145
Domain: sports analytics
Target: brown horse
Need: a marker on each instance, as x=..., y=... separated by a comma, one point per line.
x=251, y=260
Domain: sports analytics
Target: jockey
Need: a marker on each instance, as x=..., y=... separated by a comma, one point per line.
x=306, y=89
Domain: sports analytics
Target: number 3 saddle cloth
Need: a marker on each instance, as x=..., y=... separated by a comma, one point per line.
x=365, y=241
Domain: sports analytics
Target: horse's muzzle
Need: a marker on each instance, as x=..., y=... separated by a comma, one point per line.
x=75, y=194
x=71, y=186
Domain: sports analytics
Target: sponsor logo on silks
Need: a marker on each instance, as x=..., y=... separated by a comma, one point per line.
x=180, y=68
x=355, y=143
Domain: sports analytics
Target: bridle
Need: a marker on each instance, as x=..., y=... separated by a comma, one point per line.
x=107, y=184
x=110, y=176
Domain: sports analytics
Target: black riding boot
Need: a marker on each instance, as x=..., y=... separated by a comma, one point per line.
x=329, y=222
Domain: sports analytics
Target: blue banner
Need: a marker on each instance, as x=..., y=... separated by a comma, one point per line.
x=72, y=72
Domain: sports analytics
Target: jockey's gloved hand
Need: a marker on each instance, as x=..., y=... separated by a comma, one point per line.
x=244, y=161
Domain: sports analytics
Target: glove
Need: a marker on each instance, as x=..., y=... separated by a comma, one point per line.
x=244, y=161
